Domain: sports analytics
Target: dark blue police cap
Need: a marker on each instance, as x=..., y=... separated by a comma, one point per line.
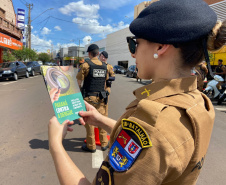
x=105, y=54
x=174, y=21
x=92, y=47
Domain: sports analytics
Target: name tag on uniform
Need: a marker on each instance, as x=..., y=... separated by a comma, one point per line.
x=99, y=73
x=128, y=145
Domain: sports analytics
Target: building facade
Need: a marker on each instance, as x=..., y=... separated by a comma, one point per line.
x=219, y=7
x=75, y=51
x=10, y=35
x=63, y=52
x=117, y=48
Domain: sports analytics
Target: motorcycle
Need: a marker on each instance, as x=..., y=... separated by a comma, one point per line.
x=211, y=89
x=222, y=96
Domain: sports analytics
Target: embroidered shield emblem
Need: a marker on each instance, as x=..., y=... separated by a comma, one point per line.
x=128, y=145
x=133, y=148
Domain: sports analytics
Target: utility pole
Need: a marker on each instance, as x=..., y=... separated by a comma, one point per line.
x=28, y=39
x=78, y=49
x=51, y=51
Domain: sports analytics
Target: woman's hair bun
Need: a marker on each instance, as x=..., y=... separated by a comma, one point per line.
x=217, y=37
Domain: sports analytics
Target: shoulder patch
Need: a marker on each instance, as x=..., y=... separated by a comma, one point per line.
x=139, y=131
x=128, y=145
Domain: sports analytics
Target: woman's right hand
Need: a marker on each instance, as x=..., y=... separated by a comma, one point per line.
x=91, y=116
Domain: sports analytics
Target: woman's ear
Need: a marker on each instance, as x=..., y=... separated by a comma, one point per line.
x=162, y=49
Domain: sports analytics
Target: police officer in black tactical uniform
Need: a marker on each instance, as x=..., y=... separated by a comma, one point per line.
x=93, y=74
x=103, y=58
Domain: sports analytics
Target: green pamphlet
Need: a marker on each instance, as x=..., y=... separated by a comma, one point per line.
x=64, y=92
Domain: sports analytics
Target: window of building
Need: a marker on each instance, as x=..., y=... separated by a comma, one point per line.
x=2, y=13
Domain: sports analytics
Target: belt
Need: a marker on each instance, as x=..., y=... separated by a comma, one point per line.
x=92, y=94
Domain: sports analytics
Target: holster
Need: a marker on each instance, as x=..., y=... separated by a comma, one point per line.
x=104, y=95
x=108, y=83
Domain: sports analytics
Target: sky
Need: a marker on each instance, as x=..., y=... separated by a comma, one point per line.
x=65, y=23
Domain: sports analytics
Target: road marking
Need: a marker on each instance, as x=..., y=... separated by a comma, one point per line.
x=97, y=159
x=8, y=83
x=14, y=90
x=221, y=109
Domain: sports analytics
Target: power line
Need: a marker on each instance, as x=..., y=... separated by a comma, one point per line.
x=23, y=2
x=42, y=20
x=45, y=23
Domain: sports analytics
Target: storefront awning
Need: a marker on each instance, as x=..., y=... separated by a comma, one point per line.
x=9, y=42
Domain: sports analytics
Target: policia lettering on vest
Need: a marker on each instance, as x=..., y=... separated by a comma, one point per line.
x=164, y=134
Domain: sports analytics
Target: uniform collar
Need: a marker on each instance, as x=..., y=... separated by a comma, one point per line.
x=94, y=58
x=166, y=88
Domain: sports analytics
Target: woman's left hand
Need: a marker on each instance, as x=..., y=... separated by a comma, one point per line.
x=57, y=131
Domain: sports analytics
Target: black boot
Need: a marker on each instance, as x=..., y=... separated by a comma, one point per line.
x=85, y=148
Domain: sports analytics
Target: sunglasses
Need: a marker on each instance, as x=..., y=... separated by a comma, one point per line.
x=132, y=44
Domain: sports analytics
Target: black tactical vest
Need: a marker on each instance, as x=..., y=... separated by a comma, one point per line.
x=95, y=80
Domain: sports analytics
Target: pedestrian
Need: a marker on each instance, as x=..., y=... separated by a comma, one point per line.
x=163, y=136
x=93, y=74
x=220, y=69
x=103, y=58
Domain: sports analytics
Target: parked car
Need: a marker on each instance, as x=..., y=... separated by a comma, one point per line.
x=40, y=62
x=33, y=67
x=13, y=70
x=51, y=64
x=131, y=72
x=119, y=69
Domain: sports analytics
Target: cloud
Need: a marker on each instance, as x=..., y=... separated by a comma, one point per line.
x=113, y=4
x=81, y=10
x=45, y=31
x=93, y=26
x=40, y=45
x=57, y=28
x=86, y=40
x=67, y=45
x=87, y=16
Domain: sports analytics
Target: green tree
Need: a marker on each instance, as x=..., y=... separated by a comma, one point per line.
x=8, y=56
x=25, y=54
x=44, y=57
x=31, y=54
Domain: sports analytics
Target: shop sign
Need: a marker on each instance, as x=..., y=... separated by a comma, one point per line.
x=9, y=42
x=21, y=19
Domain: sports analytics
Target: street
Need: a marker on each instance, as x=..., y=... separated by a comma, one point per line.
x=25, y=112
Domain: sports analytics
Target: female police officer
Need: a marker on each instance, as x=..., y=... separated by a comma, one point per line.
x=163, y=136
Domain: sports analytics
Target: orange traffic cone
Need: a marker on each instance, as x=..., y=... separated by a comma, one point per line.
x=97, y=139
